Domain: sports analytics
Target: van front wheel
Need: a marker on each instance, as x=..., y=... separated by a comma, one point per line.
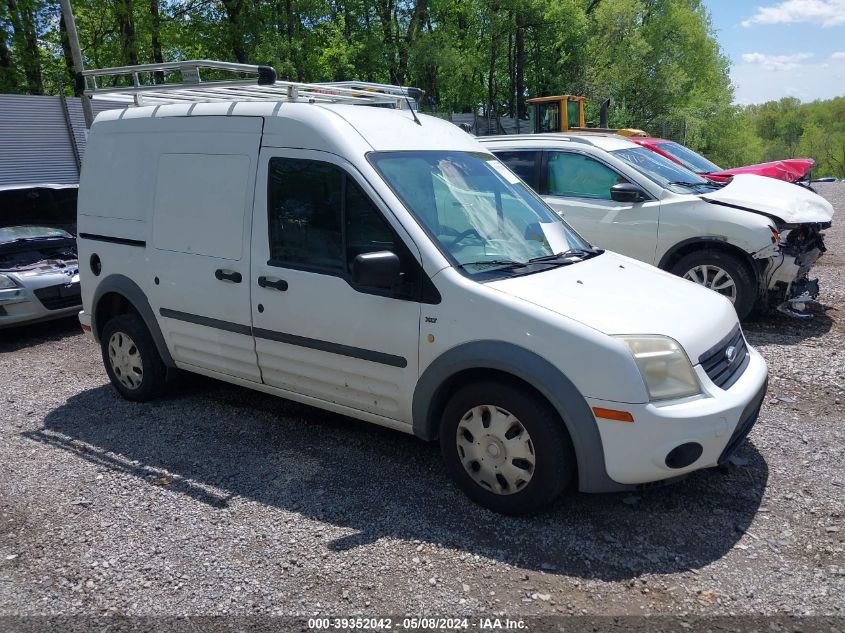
x=131, y=359
x=506, y=448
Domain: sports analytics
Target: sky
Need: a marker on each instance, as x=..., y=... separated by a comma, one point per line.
x=786, y=48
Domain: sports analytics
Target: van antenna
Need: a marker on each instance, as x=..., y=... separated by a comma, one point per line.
x=408, y=101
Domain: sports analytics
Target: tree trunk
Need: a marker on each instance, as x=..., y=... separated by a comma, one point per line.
x=235, y=16
x=519, y=67
x=68, y=55
x=22, y=17
x=491, y=79
x=158, y=55
x=511, y=70
x=125, y=14
x=417, y=15
x=385, y=14
x=8, y=82
x=290, y=20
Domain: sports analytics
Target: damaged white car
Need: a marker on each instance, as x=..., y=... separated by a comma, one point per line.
x=39, y=275
x=754, y=240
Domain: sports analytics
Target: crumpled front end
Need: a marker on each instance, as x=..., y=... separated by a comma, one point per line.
x=789, y=285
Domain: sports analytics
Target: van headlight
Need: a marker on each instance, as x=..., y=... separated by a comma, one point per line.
x=6, y=283
x=664, y=366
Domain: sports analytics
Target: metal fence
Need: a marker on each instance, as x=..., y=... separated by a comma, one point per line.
x=42, y=139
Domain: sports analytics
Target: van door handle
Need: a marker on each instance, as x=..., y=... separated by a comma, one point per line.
x=278, y=284
x=228, y=275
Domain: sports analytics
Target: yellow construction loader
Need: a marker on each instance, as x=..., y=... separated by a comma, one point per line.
x=565, y=113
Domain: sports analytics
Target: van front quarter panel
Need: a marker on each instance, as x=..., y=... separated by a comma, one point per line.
x=486, y=360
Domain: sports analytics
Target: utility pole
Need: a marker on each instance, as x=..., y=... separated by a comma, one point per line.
x=76, y=53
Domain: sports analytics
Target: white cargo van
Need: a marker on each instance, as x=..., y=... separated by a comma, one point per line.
x=384, y=265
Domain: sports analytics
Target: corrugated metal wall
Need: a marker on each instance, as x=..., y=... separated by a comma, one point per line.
x=35, y=144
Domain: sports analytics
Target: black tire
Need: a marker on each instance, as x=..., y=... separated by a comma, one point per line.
x=744, y=279
x=151, y=381
x=554, y=457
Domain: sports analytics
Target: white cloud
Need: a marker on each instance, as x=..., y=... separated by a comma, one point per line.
x=824, y=12
x=776, y=62
x=808, y=82
x=838, y=55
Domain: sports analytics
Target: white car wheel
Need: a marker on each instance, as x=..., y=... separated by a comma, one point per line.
x=715, y=278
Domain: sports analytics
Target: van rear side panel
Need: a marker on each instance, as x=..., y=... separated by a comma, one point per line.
x=167, y=203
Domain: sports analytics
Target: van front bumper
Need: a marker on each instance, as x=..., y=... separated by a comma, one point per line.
x=670, y=439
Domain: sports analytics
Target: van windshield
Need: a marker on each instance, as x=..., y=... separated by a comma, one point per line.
x=479, y=213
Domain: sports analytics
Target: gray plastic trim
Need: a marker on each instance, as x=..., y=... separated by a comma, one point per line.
x=228, y=326
x=534, y=370
x=127, y=288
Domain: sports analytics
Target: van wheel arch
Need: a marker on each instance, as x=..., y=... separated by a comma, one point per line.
x=485, y=361
x=116, y=295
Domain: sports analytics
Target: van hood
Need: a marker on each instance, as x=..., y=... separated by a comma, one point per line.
x=619, y=295
x=784, y=201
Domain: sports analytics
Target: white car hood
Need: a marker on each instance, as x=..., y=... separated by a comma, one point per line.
x=618, y=295
x=785, y=201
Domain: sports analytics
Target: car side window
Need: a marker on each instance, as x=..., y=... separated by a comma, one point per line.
x=578, y=176
x=522, y=164
x=321, y=220
x=304, y=200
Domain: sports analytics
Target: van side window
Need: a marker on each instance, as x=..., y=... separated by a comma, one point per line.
x=522, y=164
x=304, y=199
x=579, y=176
x=320, y=219
x=366, y=230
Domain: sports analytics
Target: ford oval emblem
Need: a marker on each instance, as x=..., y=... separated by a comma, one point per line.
x=730, y=354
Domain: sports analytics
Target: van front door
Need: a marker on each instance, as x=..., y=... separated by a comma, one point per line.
x=317, y=334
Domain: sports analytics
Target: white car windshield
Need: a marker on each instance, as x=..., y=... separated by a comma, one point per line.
x=663, y=171
x=479, y=213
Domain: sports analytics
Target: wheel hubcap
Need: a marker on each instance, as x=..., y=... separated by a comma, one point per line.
x=495, y=449
x=125, y=359
x=715, y=278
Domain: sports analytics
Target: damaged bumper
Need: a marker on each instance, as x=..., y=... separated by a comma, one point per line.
x=787, y=281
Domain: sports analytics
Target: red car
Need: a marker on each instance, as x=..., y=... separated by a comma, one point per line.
x=791, y=169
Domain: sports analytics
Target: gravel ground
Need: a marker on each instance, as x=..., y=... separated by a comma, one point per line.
x=221, y=500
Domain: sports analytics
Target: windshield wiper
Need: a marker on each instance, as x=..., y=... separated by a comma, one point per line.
x=583, y=253
x=502, y=263
x=21, y=240
x=688, y=184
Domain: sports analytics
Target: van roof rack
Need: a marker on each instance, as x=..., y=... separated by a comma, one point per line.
x=253, y=83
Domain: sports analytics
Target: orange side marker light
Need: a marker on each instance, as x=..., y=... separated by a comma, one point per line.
x=613, y=414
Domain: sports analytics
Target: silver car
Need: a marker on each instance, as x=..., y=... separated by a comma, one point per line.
x=39, y=275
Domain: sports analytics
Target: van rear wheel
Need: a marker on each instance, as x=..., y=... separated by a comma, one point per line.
x=507, y=449
x=131, y=359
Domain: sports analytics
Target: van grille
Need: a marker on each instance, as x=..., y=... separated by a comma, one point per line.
x=717, y=363
x=60, y=296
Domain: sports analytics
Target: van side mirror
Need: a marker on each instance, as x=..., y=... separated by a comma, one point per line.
x=380, y=269
x=627, y=192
